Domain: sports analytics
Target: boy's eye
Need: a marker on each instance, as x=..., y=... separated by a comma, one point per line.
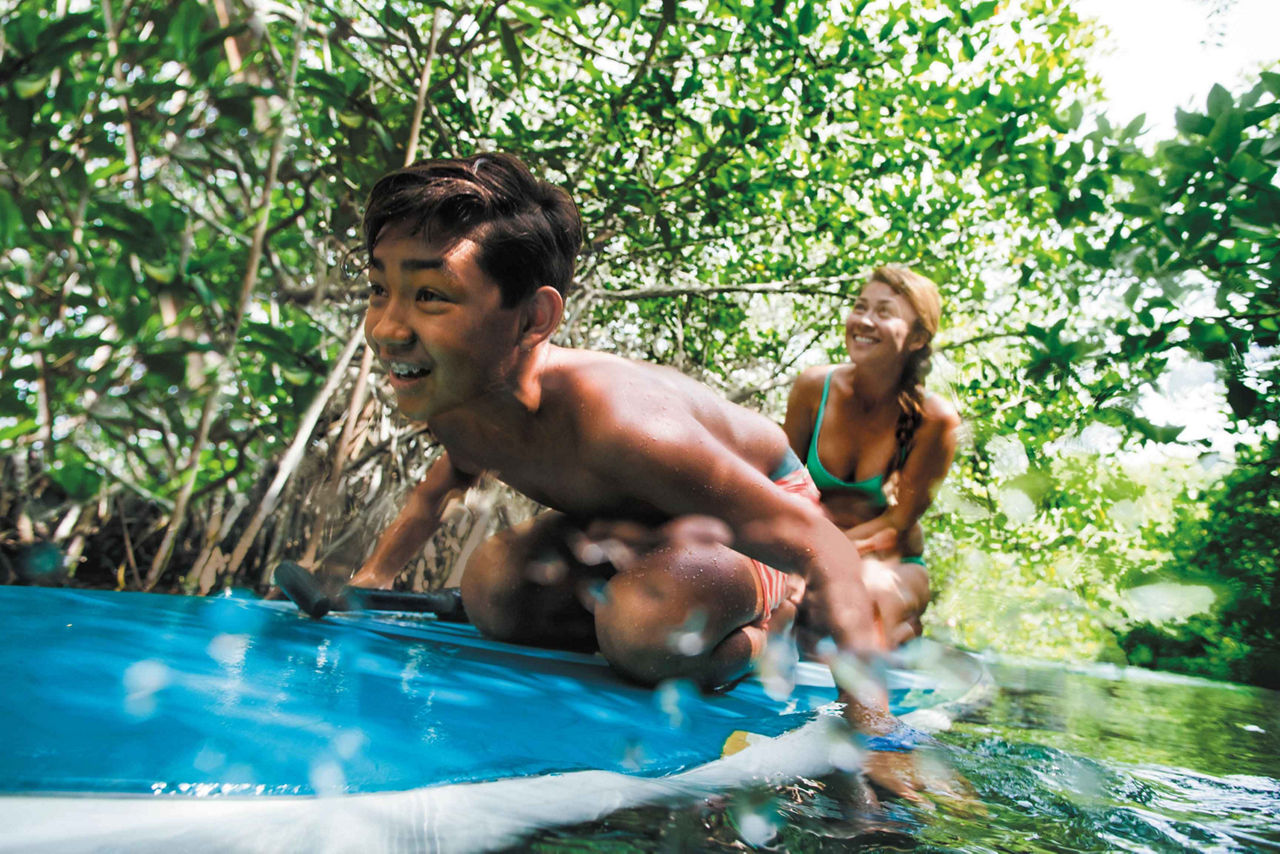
x=376, y=290
x=427, y=295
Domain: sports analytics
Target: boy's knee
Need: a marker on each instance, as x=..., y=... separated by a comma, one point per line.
x=650, y=626
x=632, y=626
x=516, y=589
x=490, y=593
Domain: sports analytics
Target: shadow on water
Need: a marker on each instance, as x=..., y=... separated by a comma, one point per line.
x=1064, y=759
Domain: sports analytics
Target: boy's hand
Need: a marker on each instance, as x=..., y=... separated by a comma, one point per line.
x=841, y=605
x=925, y=779
x=370, y=577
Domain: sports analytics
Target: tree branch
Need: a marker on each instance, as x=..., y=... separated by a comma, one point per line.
x=797, y=287
x=161, y=560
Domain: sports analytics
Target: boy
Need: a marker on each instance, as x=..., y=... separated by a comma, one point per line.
x=470, y=262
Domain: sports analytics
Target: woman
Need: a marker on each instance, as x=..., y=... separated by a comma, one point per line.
x=876, y=444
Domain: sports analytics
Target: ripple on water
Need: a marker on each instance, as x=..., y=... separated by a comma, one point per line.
x=1065, y=759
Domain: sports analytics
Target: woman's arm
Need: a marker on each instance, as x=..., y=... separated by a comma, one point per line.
x=802, y=408
x=933, y=450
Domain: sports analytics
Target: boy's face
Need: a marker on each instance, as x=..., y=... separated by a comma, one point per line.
x=436, y=323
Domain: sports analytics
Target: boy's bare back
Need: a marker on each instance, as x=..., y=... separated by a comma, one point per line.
x=611, y=437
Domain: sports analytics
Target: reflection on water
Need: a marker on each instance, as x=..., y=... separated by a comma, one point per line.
x=1064, y=759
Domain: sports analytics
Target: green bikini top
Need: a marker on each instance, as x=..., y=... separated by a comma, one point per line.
x=872, y=487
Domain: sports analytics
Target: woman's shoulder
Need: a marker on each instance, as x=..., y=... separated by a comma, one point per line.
x=806, y=394
x=816, y=374
x=939, y=411
x=810, y=381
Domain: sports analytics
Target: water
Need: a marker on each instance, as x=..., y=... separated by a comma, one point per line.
x=1064, y=759
x=134, y=694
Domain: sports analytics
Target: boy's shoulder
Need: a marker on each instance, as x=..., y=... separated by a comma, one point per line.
x=613, y=405
x=600, y=384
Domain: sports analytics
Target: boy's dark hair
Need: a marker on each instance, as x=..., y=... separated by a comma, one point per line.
x=528, y=230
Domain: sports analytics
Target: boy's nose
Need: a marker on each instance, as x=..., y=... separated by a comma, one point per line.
x=388, y=330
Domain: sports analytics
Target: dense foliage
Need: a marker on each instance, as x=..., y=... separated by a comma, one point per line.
x=180, y=183
x=1232, y=550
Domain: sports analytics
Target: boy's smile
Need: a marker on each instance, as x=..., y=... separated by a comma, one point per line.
x=436, y=322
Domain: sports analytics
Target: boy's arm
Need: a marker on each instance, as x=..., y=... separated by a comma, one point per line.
x=683, y=470
x=414, y=525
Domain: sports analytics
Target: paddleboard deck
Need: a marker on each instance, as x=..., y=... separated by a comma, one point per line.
x=148, y=722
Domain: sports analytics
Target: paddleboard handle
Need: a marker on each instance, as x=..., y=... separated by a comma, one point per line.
x=445, y=604
x=301, y=587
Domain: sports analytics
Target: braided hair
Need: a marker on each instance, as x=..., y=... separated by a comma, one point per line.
x=922, y=295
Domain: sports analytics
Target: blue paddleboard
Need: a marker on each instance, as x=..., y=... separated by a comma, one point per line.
x=151, y=722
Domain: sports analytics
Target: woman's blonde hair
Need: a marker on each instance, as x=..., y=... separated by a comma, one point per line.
x=922, y=295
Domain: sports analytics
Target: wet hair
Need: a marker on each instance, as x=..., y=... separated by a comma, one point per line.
x=529, y=231
x=922, y=295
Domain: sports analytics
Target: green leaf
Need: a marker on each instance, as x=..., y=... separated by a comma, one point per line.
x=31, y=85
x=1196, y=224
x=78, y=480
x=1134, y=127
x=1192, y=123
x=1219, y=100
x=1242, y=398
x=806, y=20
x=1190, y=157
x=1075, y=115
x=1162, y=433
x=1225, y=136
x=162, y=271
x=511, y=48
x=1211, y=338
x=1246, y=168
x=14, y=431
x=185, y=28
x=11, y=220
x=983, y=11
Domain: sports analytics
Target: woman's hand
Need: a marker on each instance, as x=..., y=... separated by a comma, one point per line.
x=885, y=540
x=900, y=593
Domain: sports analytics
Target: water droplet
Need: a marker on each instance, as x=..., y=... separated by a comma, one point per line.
x=141, y=682
x=349, y=742
x=228, y=650
x=327, y=778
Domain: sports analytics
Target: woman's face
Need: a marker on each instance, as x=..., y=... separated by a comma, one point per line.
x=881, y=323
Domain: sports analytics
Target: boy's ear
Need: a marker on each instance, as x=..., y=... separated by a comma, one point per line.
x=541, y=314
